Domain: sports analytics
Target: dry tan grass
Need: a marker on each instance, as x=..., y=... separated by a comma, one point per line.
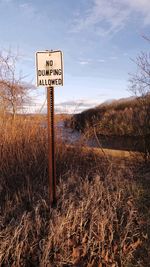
x=112, y=153
x=96, y=221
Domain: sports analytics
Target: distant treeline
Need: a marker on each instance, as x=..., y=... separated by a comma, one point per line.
x=122, y=117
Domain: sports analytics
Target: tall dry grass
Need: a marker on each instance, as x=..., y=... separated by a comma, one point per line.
x=96, y=220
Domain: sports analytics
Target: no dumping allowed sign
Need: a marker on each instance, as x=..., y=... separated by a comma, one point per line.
x=49, y=68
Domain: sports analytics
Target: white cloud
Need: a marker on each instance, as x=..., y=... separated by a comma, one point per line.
x=113, y=57
x=90, y=61
x=28, y=10
x=108, y=13
x=125, y=54
x=75, y=106
x=141, y=6
x=83, y=62
x=107, y=17
x=101, y=60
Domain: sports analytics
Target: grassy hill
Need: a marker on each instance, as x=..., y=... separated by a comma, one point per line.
x=127, y=118
x=119, y=117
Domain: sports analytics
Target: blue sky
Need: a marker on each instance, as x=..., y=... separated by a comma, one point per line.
x=98, y=39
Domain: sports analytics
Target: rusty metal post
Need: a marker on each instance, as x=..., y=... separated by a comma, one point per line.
x=51, y=145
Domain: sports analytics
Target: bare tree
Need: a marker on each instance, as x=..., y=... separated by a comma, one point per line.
x=140, y=87
x=13, y=91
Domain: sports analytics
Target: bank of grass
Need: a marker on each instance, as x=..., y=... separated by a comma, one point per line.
x=99, y=219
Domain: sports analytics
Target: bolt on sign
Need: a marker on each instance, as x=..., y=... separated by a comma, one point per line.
x=49, y=65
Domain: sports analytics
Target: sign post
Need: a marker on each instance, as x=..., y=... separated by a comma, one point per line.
x=49, y=67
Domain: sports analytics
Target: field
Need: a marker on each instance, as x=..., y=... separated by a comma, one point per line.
x=101, y=218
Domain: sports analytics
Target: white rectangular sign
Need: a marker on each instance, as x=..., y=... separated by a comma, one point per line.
x=49, y=68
